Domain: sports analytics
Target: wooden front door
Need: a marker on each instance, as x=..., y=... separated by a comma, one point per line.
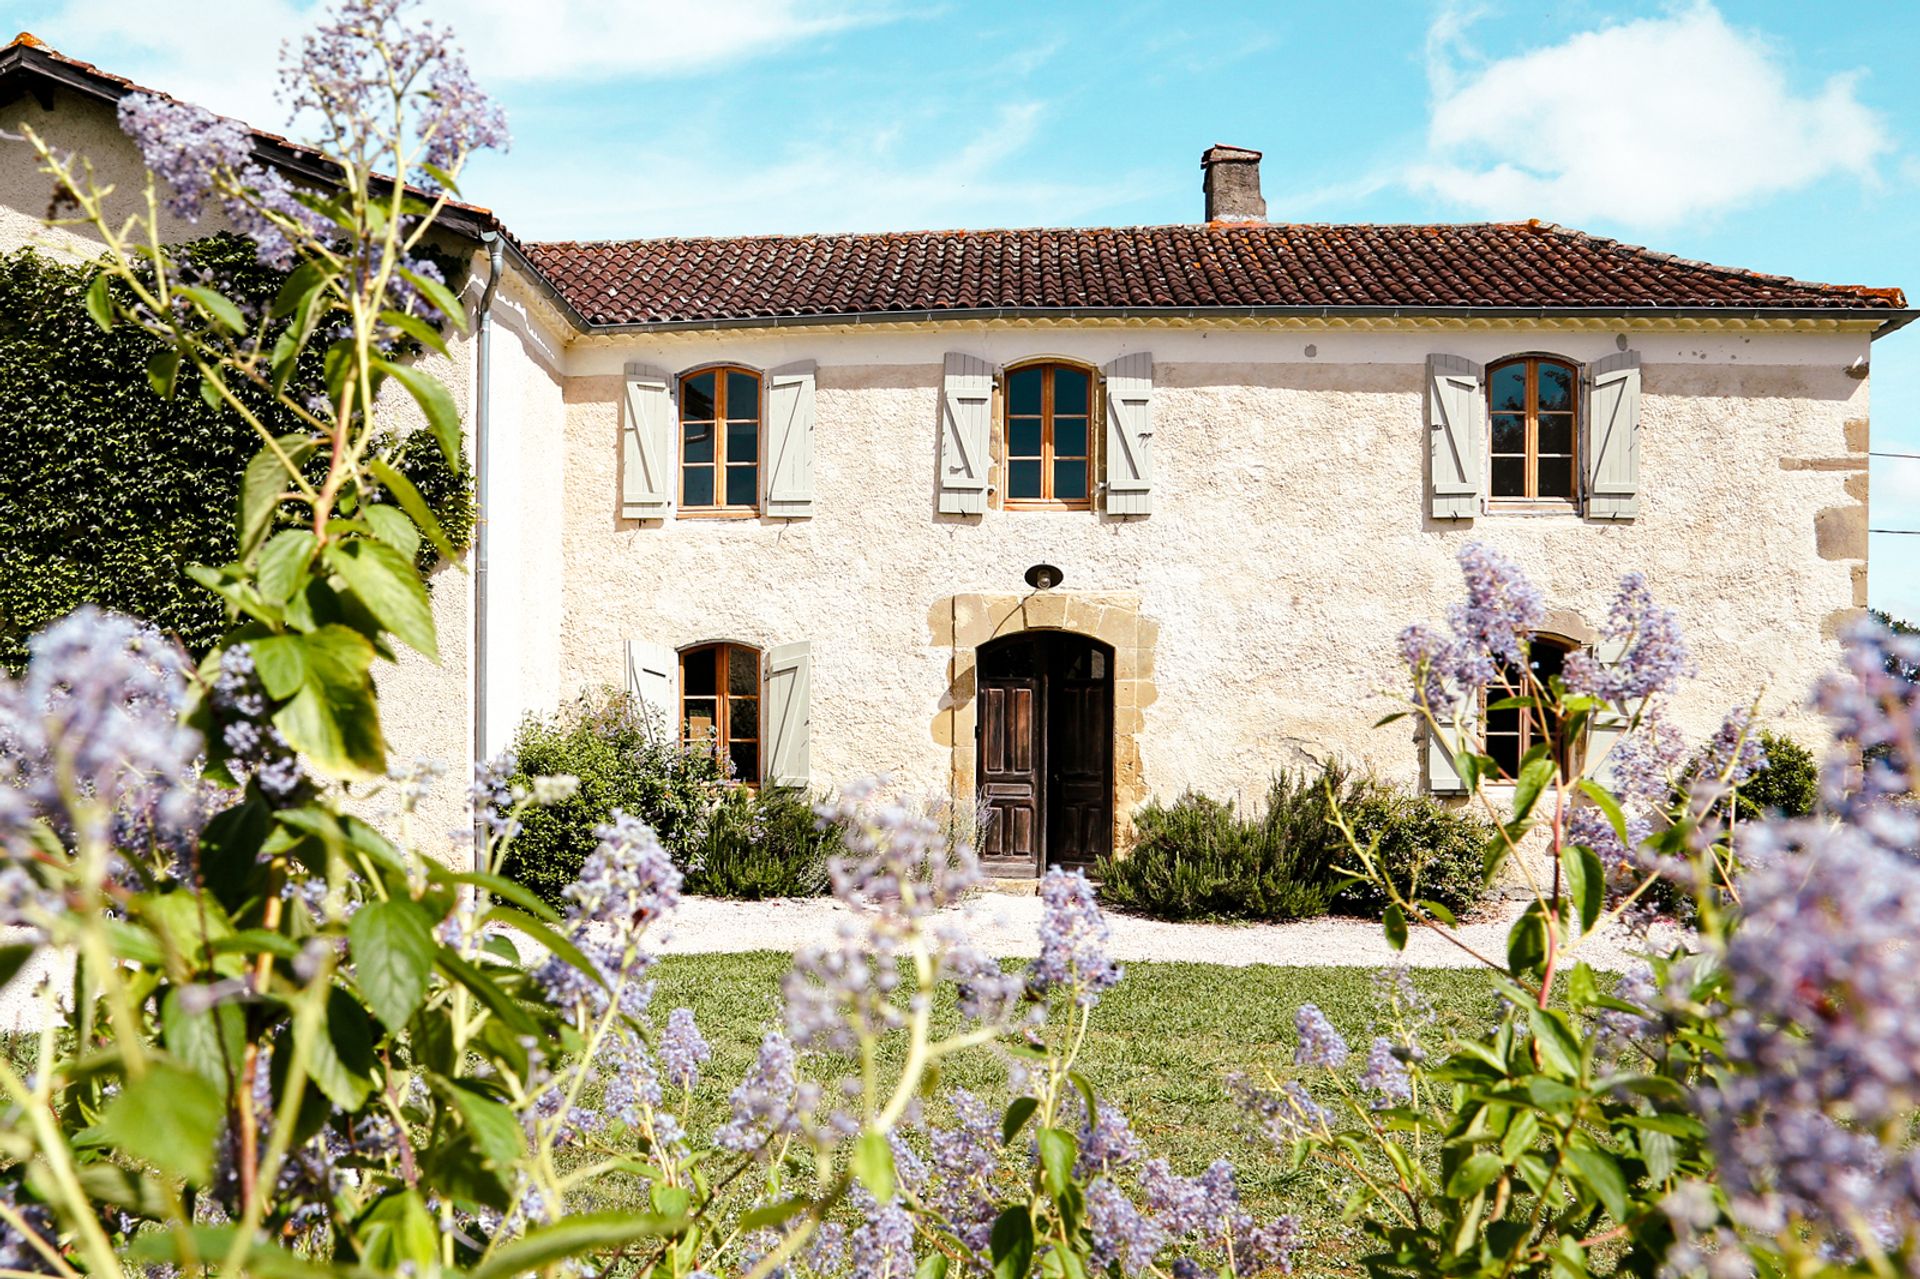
x=1046, y=751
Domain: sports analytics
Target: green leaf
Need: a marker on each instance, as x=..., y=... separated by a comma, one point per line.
x=398, y=1232
x=331, y=715
x=1019, y=1110
x=170, y=1117
x=496, y=1131
x=299, y=285
x=393, y=947
x=431, y=394
x=263, y=485
x=181, y=1245
x=1475, y=1174
x=1599, y=1171
x=163, y=372
x=1011, y=1244
x=1559, y=1046
x=873, y=1164
x=574, y=1237
x=340, y=1058
x=773, y=1214
x=283, y=563
x=1535, y=774
x=416, y=328
x=487, y=991
x=100, y=303
x=391, y=525
x=498, y=885
x=1586, y=882
x=214, y=305
x=1438, y=910
x=387, y=584
x=211, y=1041
x=1608, y=805
x=932, y=1266
x=414, y=505
x=442, y=297
x=1395, y=924
x=547, y=937
x=13, y=959
x=1582, y=986
x=1527, y=942
x=1058, y=1150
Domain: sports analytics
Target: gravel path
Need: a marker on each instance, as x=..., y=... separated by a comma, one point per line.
x=1008, y=925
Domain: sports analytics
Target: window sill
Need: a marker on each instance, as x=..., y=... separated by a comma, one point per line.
x=1534, y=508
x=718, y=513
x=1046, y=506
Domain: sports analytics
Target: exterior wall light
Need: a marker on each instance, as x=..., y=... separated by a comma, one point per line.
x=1043, y=577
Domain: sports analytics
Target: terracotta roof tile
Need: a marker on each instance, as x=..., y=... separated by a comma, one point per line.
x=1227, y=265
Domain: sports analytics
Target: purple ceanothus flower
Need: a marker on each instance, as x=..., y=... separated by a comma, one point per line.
x=881, y=1246
x=1873, y=707
x=1734, y=753
x=1121, y=1232
x=1386, y=1074
x=1320, y=1044
x=185, y=146
x=683, y=1048
x=1655, y=656
x=1073, y=940
x=1106, y=1141
x=1283, y=1115
x=627, y=883
x=240, y=709
x=1490, y=631
x=964, y=1159
x=770, y=1101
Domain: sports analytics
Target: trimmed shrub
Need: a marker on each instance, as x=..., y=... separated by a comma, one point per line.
x=1789, y=786
x=1200, y=859
x=623, y=762
x=763, y=845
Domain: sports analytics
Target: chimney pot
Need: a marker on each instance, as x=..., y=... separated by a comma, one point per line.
x=1231, y=180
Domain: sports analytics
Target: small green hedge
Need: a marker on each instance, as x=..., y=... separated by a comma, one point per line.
x=1200, y=859
x=1789, y=786
x=109, y=491
x=729, y=840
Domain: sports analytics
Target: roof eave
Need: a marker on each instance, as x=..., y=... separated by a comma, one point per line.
x=1890, y=320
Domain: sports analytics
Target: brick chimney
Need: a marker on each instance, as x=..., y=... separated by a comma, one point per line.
x=1232, y=183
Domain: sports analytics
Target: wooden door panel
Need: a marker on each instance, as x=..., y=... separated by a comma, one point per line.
x=1009, y=766
x=1079, y=749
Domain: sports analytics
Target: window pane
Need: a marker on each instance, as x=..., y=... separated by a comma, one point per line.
x=1506, y=753
x=743, y=396
x=697, y=442
x=742, y=484
x=743, y=671
x=1509, y=477
x=746, y=761
x=1023, y=437
x=1023, y=390
x=1507, y=388
x=1556, y=433
x=697, y=674
x=1023, y=479
x=700, y=718
x=1509, y=433
x=1556, y=388
x=743, y=719
x=696, y=486
x=696, y=397
x=1070, y=391
x=743, y=441
x=1069, y=481
x=1069, y=437
x=1556, y=477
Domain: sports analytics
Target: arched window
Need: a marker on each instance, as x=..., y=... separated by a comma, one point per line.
x=720, y=704
x=720, y=441
x=1049, y=436
x=1535, y=451
x=1512, y=731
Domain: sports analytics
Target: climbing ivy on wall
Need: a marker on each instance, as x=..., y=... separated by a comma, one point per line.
x=108, y=491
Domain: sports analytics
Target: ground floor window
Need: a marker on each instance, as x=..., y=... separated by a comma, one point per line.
x=1512, y=731
x=720, y=704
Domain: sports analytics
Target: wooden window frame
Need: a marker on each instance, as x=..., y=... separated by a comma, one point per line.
x=1046, y=502
x=1530, y=726
x=718, y=509
x=1532, y=501
x=720, y=652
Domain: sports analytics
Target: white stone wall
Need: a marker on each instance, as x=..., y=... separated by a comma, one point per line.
x=1287, y=547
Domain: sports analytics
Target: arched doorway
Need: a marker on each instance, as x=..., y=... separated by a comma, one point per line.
x=1045, y=765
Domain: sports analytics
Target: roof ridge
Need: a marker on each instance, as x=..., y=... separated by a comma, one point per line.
x=1713, y=268
x=1213, y=227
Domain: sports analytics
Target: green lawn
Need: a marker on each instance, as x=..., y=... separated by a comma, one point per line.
x=1161, y=1045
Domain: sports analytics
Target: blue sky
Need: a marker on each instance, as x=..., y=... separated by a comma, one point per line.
x=1774, y=135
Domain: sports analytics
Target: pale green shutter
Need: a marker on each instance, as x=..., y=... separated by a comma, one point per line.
x=1607, y=726
x=1613, y=437
x=786, y=716
x=1442, y=777
x=1129, y=459
x=966, y=425
x=646, y=463
x=1455, y=428
x=790, y=441
x=653, y=679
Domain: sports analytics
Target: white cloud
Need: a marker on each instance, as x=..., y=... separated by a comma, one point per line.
x=224, y=54
x=1644, y=123
x=883, y=176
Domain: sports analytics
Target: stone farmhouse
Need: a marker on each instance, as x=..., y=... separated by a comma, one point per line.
x=1055, y=519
